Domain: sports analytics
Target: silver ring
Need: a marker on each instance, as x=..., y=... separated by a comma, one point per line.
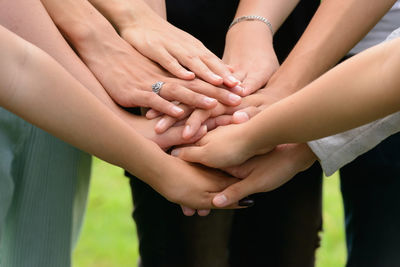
x=156, y=88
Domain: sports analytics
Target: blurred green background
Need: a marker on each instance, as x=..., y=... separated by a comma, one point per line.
x=108, y=237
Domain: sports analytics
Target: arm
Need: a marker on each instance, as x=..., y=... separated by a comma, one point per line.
x=126, y=74
x=160, y=41
x=362, y=89
x=36, y=88
x=249, y=48
x=336, y=27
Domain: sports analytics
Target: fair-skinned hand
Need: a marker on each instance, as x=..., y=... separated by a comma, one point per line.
x=219, y=115
x=222, y=147
x=253, y=61
x=175, y=50
x=265, y=173
x=189, y=185
x=171, y=137
x=128, y=76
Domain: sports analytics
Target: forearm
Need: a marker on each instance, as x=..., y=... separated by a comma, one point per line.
x=82, y=25
x=124, y=13
x=335, y=28
x=275, y=11
x=46, y=95
x=360, y=90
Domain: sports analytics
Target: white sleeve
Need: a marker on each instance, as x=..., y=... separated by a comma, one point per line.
x=336, y=151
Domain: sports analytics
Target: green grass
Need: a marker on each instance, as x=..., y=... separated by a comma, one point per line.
x=108, y=237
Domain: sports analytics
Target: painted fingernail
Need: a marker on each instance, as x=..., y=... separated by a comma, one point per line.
x=238, y=89
x=175, y=152
x=187, y=131
x=177, y=110
x=246, y=202
x=209, y=100
x=220, y=200
x=216, y=77
x=161, y=124
x=232, y=79
x=234, y=98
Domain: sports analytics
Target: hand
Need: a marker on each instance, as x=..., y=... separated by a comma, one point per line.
x=220, y=115
x=267, y=172
x=223, y=147
x=171, y=137
x=187, y=184
x=253, y=61
x=175, y=49
x=127, y=76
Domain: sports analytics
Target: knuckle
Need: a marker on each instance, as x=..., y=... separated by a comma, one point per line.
x=190, y=57
x=171, y=63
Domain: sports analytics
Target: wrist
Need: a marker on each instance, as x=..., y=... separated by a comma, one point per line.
x=303, y=157
x=254, y=142
x=133, y=14
x=247, y=42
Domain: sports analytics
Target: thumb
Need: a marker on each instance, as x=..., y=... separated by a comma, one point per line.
x=252, y=83
x=234, y=193
x=245, y=114
x=189, y=153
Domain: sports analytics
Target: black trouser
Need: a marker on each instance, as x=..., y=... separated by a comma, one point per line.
x=371, y=195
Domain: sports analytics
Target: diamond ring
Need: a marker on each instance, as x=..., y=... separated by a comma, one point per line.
x=156, y=88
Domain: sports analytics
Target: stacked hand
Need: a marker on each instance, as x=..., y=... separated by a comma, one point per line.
x=197, y=89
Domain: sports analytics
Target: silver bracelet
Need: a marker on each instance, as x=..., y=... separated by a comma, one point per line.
x=252, y=17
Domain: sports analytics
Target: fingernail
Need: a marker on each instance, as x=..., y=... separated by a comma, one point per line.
x=234, y=98
x=203, y=212
x=246, y=202
x=238, y=89
x=232, y=79
x=175, y=152
x=189, y=72
x=187, y=131
x=220, y=200
x=242, y=116
x=161, y=124
x=209, y=100
x=216, y=77
x=177, y=110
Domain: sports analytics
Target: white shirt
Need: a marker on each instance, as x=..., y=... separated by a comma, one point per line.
x=336, y=151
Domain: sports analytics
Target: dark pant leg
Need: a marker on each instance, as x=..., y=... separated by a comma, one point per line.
x=281, y=229
x=370, y=187
x=167, y=238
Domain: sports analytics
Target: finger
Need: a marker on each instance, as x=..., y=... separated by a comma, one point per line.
x=252, y=83
x=241, y=171
x=195, y=64
x=188, y=211
x=170, y=63
x=245, y=114
x=203, y=212
x=184, y=95
x=152, y=100
x=213, y=123
x=152, y=114
x=234, y=193
x=194, y=122
x=219, y=68
x=222, y=95
x=173, y=137
x=189, y=153
x=164, y=124
x=167, y=121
